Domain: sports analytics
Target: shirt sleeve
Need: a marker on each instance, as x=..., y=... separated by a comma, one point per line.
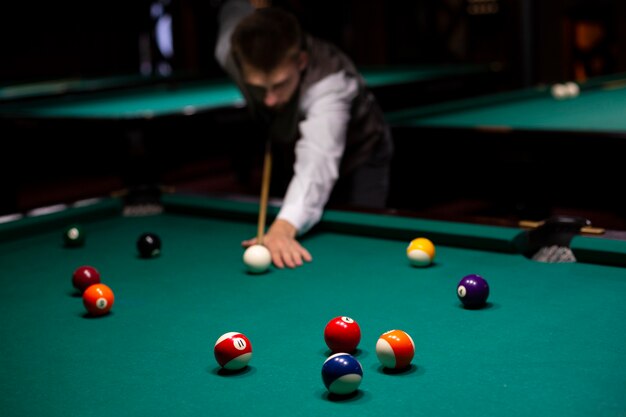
x=318, y=152
x=231, y=12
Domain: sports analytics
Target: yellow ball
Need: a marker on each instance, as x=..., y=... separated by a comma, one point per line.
x=421, y=252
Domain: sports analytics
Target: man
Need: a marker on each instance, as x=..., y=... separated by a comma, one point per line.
x=315, y=103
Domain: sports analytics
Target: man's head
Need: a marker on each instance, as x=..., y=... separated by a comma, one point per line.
x=268, y=46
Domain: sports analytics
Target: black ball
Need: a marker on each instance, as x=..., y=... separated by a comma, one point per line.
x=149, y=245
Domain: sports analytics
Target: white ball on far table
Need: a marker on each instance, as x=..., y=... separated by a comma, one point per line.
x=559, y=91
x=572, y=89
x=257, y=258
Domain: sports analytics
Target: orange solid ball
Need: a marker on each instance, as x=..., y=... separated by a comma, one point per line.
x=98, y=299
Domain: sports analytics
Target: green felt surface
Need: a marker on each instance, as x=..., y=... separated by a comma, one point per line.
x=381, y=76
x=599, y=107
x=174, y=98
x=66, y=85
x=550, y=342
x=140, y=102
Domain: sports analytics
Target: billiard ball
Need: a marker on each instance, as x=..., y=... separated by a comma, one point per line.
x=473, y=291
x=559, y=91
x=149, y=245
x=421, y=252
x=257, y=259
x=98, y=299
x=572, y=89
x=395, y=349
x=84, y=276
x=74, y=236
x=342, y=334
x=233, y=351
x=342, y=373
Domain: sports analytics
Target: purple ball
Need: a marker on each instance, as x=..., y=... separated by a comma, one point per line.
x=473, y=291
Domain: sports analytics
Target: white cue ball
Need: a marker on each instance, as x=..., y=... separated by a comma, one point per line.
x=559, y=91
x=572, y=89
x=257, y=258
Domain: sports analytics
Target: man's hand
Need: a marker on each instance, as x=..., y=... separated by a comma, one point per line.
x=280, y=239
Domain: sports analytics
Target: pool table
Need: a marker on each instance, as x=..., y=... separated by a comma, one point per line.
x=524, y=146
x=137, y=97
x=134, y=131
x=551, y=340
x=56, y=87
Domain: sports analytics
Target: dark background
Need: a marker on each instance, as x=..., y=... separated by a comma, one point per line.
x=536, y=40
x=532, y=41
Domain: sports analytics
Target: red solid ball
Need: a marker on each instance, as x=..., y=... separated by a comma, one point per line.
x=85, y=276
x=342, y=334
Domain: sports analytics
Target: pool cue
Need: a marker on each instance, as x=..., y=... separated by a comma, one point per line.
x=265, y=187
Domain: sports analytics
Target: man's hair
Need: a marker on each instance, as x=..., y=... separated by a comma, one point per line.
x=266, y=38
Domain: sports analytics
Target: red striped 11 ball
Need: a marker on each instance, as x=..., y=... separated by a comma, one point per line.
x=342, y=334
x=233, y=351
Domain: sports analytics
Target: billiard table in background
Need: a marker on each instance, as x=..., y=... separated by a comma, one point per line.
x=551, y=340
x=523, y=152
x=150, y=96
x=129, y=131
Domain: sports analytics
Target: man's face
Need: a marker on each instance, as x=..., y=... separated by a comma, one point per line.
x=275, y=88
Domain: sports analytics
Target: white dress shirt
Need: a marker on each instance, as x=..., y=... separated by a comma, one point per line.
x=326, y=109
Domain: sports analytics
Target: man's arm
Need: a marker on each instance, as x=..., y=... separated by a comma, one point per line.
x=318, y=155
x=319, y=151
